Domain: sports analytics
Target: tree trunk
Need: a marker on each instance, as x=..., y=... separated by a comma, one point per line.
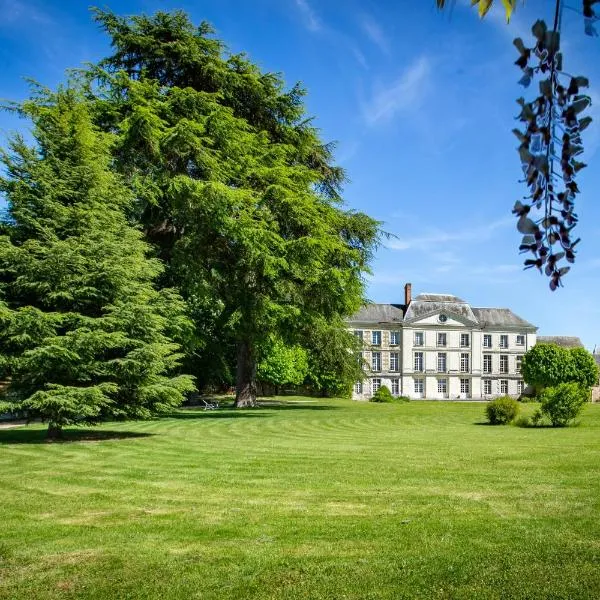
x=245, y=392
x=54, y=432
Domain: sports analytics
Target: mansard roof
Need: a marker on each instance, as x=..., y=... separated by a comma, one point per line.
x=500, y=317
x=560, y=340
x=379, y=313
x=426, y=304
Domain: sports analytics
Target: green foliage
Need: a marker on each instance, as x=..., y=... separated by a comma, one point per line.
x=562, y=403
x=282, y=364
x=85, y=333
x=548, y=365
x=383, y=394
x=236, y=190
x=333, y=358
x=585, y=367
x=403, y=399
x=502, y=410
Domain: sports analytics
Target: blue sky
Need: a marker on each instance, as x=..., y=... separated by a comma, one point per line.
x=421, y=105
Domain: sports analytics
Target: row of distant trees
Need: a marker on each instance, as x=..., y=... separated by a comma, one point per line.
x=176, y=222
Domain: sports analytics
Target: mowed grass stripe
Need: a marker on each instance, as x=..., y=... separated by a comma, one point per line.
x=327, y=499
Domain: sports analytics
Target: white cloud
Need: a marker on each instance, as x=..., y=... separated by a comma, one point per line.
x=375, y=33
x=433, y=239
x=311, y=19
x=403, y=95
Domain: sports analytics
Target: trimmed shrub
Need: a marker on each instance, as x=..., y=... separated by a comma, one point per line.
x=562, y=403
x=403, y=399
x=383, y=394
x=502, y=410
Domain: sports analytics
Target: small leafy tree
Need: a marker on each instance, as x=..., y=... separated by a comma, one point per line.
x=85, y=334
x=585, y=367
x=562, y=403
x=282, y=364
x=547, y=365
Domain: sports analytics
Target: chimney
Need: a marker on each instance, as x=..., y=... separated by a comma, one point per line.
x=407, y=293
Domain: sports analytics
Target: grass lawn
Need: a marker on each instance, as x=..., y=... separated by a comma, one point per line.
x=310, y=499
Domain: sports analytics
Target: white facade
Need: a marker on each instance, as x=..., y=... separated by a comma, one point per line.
x=439, y=347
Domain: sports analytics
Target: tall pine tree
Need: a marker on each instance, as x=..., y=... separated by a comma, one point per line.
x=85, y=334
x=235, y=188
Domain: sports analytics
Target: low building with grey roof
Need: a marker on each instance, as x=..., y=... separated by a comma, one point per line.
x=438, y=346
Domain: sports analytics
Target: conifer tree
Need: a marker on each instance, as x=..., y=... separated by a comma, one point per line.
x=235, y=188
x=85, y=334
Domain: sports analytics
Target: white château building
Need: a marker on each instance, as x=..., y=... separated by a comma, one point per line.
x=439, y=346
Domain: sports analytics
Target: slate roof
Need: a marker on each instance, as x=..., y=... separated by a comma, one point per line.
x=379, y=313
x=438, y=298
x=426, y=304
x=499, y=317
x=560, y=340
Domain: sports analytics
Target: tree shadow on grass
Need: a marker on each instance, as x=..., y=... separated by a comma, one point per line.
x=295, y=406
x=229, y=412
x=219, y=413
x=38, y=436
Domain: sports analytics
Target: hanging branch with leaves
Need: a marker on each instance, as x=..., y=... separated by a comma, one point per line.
x=550, y=144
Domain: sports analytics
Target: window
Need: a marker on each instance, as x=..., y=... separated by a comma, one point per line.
x=503, y=341
x=376, y=338
x=394, y=338
x=441, y=339
x=359, y=334
x=358, y=387
x=418, y=361
x=520, y=340
x=441, y=362
x=376, y=361
x=464, y=362
x=395, y=387
x=504, y=386
x=520, y=386
x=519, y=363
x=465, y=340
x=465, y=386
x=394, y=361
x=419, y=387
x=442, y=386
x=504, y=363
x=419, y=338
x=487, y=387
x=487, y=363
x=487, y=340
x=375, y=384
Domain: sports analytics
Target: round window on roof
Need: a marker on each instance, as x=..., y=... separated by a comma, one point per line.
x=443, y=318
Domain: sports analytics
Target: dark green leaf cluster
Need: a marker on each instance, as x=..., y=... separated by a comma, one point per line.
x=85, y=334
